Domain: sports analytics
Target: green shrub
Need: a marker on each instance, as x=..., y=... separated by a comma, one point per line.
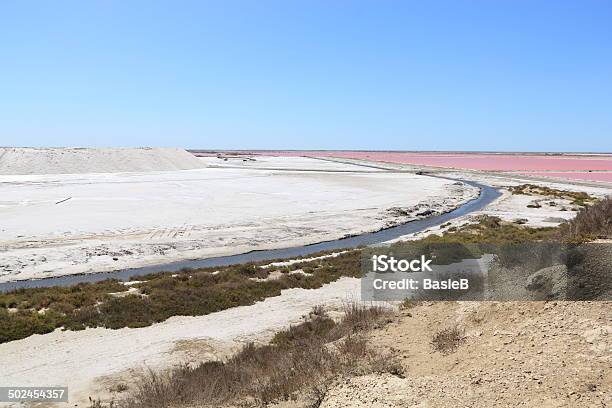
x=578, y=198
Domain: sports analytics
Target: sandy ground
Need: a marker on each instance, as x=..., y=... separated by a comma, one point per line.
x=81, y=223
x=528, y=354
x=92, y=360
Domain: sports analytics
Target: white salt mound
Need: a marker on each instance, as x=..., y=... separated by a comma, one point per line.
x=26, y=160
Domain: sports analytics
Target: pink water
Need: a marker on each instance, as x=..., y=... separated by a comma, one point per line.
x=565, y=166
x=473, y=161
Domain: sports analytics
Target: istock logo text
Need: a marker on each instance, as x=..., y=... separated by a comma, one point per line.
x=385, y=263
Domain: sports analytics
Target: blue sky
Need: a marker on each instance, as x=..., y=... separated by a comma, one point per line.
x=385, y=75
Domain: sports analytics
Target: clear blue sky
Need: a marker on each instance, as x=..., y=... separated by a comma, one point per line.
x=406, y=75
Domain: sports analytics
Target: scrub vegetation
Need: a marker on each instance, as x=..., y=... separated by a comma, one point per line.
x=577, y=198
x=447, y=340
x=298, y=362
x=492, y=230
x=157, y=297
x=590, y=223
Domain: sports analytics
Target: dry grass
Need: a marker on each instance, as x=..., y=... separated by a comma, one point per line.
x=590, y=223
x=448, y=340
x=297, y=362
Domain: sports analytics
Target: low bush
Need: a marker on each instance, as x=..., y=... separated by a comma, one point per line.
x=23, y=323
x=447, y=340
x=590, y=223
x=578, y=198
x=491, y=230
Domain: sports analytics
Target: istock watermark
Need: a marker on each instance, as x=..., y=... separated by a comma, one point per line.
x=485, y=271
x=384, y=263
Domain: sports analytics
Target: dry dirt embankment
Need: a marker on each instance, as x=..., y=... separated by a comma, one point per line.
x=25, y=160
x=533, y=354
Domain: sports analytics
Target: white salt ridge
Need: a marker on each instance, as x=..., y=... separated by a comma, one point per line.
x=26, y=160
x=299, y=260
